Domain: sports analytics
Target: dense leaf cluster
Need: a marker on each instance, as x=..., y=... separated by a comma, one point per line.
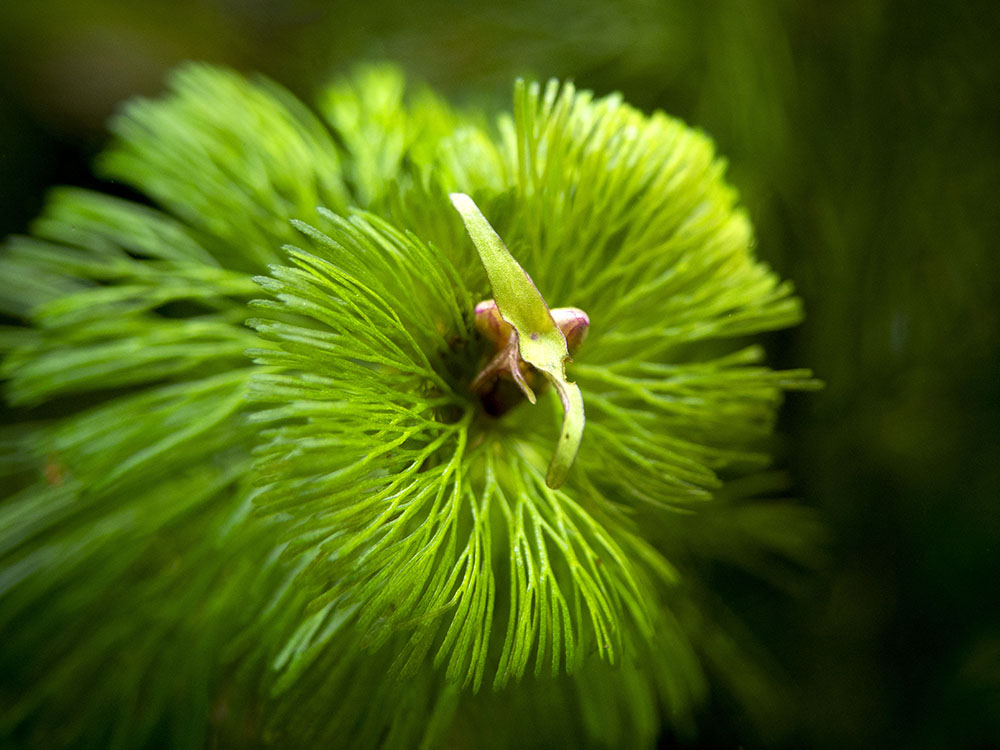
x=271, y=511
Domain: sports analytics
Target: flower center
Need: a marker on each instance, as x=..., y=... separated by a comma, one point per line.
x=534, y=338
x=507, y=378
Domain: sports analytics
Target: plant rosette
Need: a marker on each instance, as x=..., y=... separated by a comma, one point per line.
x=285, y=469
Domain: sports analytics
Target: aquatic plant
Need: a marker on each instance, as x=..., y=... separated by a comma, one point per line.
x=276, y=478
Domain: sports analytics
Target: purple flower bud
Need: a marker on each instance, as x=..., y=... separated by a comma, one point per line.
x=574, y=324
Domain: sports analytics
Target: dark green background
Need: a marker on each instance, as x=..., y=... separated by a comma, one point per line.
x=865, y=138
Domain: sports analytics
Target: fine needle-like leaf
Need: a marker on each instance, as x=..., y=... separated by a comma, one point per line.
x=540, y=342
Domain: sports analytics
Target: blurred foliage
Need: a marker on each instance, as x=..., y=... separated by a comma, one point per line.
x=864, y=137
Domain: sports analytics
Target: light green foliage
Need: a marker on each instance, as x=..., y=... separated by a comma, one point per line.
x=258, y=504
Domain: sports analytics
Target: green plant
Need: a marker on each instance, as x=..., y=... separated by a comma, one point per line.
x=333, y=541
